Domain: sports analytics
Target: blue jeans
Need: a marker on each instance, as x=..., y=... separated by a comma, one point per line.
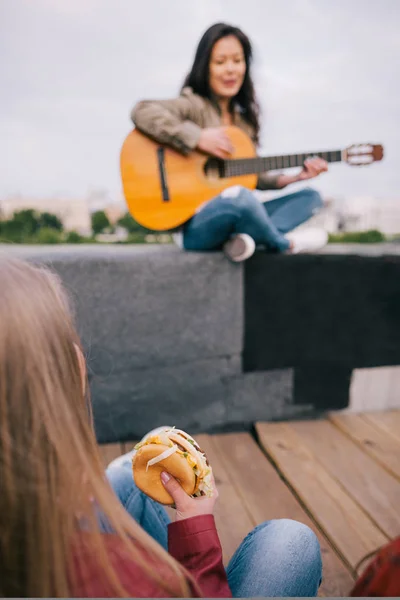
x=237, y=210
x=278, y=558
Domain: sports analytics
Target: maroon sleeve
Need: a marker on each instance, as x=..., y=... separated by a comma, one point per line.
x=195, y=544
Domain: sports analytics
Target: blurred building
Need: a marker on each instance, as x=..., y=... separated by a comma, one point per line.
x=360, y=213
x=115, y=211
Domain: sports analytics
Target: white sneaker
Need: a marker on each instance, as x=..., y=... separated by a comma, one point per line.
x=240, y=247
x=307, y=240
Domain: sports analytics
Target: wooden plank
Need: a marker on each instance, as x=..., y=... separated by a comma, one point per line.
x=373, y=488
x=350, y=530
x=265, y=496
x=388, y=421
x=109, y=452
x=232, y=519
x=380, y=444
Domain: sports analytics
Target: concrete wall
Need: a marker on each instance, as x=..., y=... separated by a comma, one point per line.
x=164, y=337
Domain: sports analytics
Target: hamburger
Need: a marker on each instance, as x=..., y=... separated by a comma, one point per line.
x=174, y=451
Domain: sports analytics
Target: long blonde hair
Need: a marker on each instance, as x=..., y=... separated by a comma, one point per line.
x=50, y=465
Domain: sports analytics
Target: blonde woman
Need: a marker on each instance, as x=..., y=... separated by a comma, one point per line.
x=64, y=530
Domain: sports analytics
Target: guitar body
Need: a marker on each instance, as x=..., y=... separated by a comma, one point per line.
x=146, y=165
x=163, y=188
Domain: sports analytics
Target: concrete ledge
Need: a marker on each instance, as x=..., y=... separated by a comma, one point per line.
x=164, y=332
x=325, y=315
x=334, y=308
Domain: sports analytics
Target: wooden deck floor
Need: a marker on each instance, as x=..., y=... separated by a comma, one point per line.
x=341, y=476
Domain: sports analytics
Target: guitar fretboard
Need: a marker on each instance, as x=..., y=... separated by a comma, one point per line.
x=248, y=166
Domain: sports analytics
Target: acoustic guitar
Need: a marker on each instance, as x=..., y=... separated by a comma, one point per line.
x=163, y=188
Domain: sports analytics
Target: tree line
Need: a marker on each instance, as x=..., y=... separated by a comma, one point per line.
x=29, y=226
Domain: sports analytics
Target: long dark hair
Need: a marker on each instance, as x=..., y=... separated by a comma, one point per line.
x=198, y=78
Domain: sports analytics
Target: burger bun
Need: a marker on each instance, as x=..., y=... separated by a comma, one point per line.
x=148, y=479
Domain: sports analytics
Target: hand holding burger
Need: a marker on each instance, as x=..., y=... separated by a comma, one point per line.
x=170, y=467
x=187, y=506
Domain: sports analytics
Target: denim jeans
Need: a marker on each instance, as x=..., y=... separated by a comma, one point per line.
x=278, y=558
x=237, y=210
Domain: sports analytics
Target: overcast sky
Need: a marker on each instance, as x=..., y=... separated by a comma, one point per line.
x=326, y=71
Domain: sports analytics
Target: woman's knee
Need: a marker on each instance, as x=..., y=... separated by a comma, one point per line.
x=313, y=197
x=278, y=558
x=298, y=533
x=242, y=198
x=294, y=541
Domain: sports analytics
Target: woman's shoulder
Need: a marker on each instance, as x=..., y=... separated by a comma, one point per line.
x=188, y=92
x=199, y=109
x=197, y=100
x=188, y=103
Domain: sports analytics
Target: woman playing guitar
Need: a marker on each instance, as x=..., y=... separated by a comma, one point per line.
x=219, y=92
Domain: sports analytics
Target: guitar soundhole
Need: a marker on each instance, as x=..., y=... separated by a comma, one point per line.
x=214, y=168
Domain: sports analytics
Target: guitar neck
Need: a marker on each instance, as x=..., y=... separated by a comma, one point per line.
x=251, y=166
